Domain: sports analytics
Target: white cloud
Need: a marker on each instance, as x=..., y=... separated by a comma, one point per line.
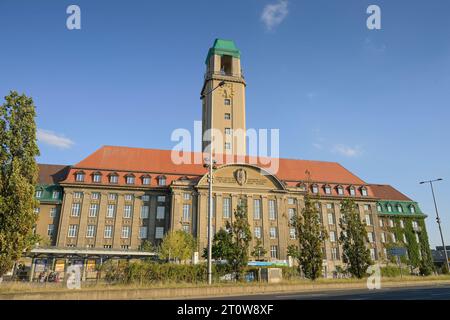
x=273, y=14
x=53, y=139
x=346, y=151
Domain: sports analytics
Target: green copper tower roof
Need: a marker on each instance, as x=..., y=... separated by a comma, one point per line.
x=223, y=47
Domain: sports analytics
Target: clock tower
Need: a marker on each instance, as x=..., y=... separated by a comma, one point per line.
x=223, y=94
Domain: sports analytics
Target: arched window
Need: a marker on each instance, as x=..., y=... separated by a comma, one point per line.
x=315, y=188
x=340, y=190
x=113, y=178
x=352, y=190
x=146, y=179
x=162, y=181
x=97, y=177
x=129, y=179
x=327, y=189
x=79, y=176
x=364, y=191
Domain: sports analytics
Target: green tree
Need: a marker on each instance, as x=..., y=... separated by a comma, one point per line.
x=222, y=246
x=240, y=230
x=177, y=246
x=310, y=235
x=258, y=250
x=353, y=239
x=18, y=177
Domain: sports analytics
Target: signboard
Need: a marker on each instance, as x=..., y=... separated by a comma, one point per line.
x=59, y=265
x=40, y=265
x=278, y=263
x=398, y=252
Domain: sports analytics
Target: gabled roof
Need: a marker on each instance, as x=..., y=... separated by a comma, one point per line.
x=52, y=173
x=387, y=192
x=159, y=161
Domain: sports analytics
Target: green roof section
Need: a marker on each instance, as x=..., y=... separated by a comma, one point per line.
x=49, y=193
x=223, y=47
x=394, y=207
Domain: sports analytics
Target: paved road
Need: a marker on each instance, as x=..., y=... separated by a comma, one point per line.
x=435, y=292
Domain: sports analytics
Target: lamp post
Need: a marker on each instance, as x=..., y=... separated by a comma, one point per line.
x=210, y=181
x=438, y=220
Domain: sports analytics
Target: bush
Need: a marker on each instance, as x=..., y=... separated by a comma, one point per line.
x=393, y=271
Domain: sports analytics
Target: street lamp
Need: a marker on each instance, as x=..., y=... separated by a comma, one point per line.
x=211, y=167
x=438, y=220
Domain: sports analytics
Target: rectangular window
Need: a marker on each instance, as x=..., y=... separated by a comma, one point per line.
x=55, y=194
x=144, y=212
x=373, y=254
x=108, y=232
x=370, y=236
x=72, y=231
x=143, y=233
x=161, y=199
x=145, y=197
x=291, y=213
x=334, y=254
x=160, y=212
x=97, y=178
x=111, y=210
x=227, y=102
x=159, y=233
x=186, y=228
x=274, y=252
x=273, y=233
x=257, y=209
x=112, y=196
x=162, y=181
x=327, y=190
x=146, y=180
x=52, y=212
x=93, y=210
x=38, y=193
x=50, y=230
x=368, y=220
x=402, y=224
x=227, y=145
x=228, y=131
x=292, y=233
x=394, y=238
x=330, y=218
x=258, y=232
x=391, y=223
x=186, y=196
x=227, y=116
x=186, y=212
x=127, y=211
x=332, y=236
x=291, y=201
x=90, y=231
x=95, y=195
x=128, y=197
x=79, y=177
x=226, y=208
x=130, y=180
x=77, y=195
x=125, y=232
x=113, y=179
x=37, y=210
x=76, y=207
x=383, y=237
x=404, y=239
x=366, y=207
x=381, y=222
x=272, y=210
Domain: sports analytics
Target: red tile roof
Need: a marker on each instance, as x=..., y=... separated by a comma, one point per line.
x=52, y=173
x=387, y=192
x=126, y=159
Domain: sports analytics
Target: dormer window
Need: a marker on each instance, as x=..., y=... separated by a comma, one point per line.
x=399, y=208
x=412, y=209
x=97, y=177
x=364, y=191
x=389, y=208
x=161, y=181
x=79, y=176
x=113, y=178
x=315, y=189
x=302, y=186
x=129, y=179
x=146, y=180
x=38, y=193
x=352, y=191
x=340, y=190
x=327, y=189
x=379, y=208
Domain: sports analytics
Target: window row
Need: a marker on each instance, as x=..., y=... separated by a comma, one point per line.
x=114, y=196
x=55, y=194
x=108, y=232
x=340, y=190
x=113, y=178
x=111, y=209
x=395, y=208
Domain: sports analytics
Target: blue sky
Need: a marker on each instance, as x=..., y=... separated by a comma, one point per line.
x=374, y=100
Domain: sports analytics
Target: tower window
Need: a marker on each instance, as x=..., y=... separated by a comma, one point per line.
x=225, y=64
x=227, y=146
x=227, y=116
x=227, y=102
x=228, y=131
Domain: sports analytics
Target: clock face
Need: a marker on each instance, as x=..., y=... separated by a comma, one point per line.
x=227, y=90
